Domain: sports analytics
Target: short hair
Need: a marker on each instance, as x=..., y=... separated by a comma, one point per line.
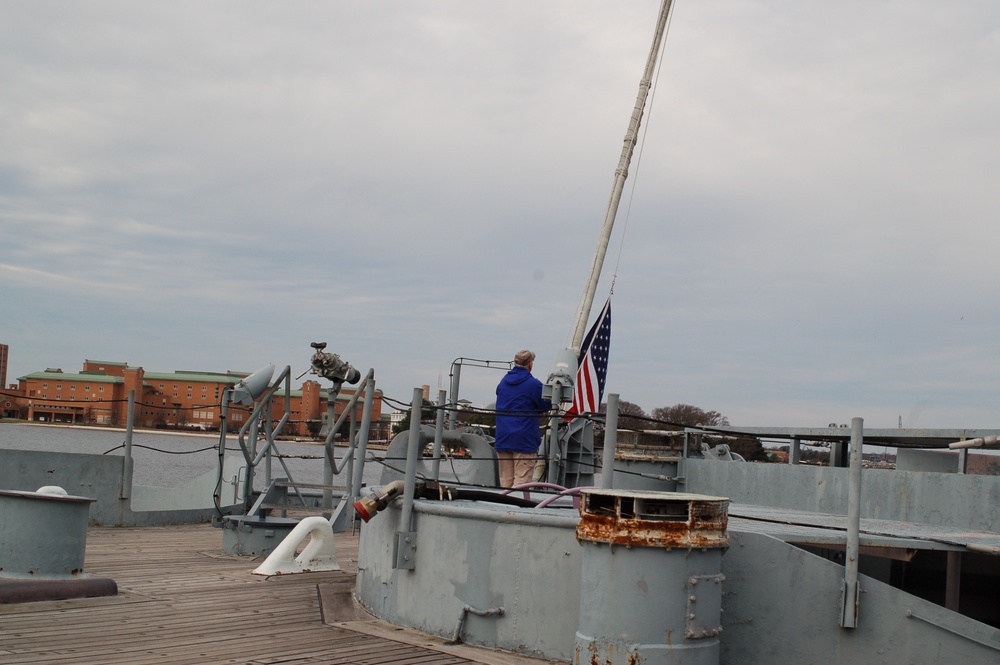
x=524, y=357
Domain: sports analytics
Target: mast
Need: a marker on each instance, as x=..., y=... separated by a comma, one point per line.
x=631, y=137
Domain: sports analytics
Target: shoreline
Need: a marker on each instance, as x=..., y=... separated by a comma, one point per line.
x=102, y=428
x=168, y=432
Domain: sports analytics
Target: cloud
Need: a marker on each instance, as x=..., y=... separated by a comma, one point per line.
x=216, y=186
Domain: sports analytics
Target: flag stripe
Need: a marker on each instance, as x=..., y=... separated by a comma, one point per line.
x=593, y=365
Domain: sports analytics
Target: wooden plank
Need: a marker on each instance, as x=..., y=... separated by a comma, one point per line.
x=408, y=636
x=183, y=601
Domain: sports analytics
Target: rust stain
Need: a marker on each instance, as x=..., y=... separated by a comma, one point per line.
x=644, y=533
x=650, y=520
x=594, y=656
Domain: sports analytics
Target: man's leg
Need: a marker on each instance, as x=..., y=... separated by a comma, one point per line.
x=524, y=467
x=506, y=463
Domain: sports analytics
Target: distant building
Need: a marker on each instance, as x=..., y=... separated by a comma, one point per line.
x=4, y=351
x=396, y=417
x=98, y=395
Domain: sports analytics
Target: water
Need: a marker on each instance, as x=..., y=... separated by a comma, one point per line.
x=168, y=459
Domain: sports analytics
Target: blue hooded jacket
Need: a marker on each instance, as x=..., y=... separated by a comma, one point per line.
x=519, y=407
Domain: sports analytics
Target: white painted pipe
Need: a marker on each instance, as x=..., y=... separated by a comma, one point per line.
x=975, y=443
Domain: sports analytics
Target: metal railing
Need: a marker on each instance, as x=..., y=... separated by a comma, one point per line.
x=258, y=440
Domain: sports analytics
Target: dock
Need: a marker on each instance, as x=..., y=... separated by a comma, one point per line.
x=182, y=600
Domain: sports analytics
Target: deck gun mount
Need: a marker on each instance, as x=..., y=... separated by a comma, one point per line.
x=330, y=366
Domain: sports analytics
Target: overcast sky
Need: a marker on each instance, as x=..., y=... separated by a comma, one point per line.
x=812, y=235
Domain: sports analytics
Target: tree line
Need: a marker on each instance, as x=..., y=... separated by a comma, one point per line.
x=679, y=416
x=632, y=416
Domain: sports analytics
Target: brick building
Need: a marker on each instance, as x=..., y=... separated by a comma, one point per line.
x=98, y=395
x=4, y=352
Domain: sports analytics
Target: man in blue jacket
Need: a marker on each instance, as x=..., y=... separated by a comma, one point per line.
x=519, y=407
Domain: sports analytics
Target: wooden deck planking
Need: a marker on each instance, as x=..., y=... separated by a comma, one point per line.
x=183, y=601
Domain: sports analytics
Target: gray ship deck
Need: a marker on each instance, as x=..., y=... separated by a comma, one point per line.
x=796, y=526
x=182, y=600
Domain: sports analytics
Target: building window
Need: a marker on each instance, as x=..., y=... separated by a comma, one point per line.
x=73, y=387
x=86, y=389
x=100, y=389
x=45, y=385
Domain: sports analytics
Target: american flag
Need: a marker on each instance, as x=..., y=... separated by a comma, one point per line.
x=592, y=369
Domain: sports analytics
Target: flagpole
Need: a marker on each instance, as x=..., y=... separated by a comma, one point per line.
x=631, y=137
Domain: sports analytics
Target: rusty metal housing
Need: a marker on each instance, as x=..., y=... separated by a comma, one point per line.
x=653, y=519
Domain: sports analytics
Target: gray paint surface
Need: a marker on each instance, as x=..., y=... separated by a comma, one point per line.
x=42, y=536
x=939, y=461
x=529, y=569
x=100, y=477
x=781, y=604
x=649, y=605
x=782, y=607
x=940, y=499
